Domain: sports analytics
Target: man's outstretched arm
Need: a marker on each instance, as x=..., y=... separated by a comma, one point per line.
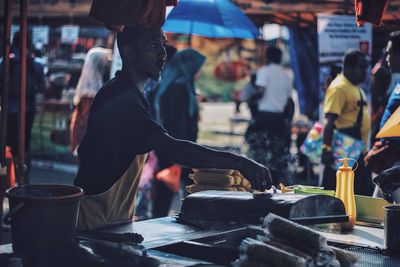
x=196, y=156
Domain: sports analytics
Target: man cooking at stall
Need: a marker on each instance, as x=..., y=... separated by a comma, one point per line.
x=121, y=132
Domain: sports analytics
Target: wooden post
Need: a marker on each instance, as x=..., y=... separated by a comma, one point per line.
x=4, y=99
x=22, y=169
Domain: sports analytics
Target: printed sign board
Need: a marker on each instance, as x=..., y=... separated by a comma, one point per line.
x=69, y=34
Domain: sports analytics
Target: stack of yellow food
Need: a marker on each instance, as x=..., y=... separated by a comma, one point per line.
x=218, y=179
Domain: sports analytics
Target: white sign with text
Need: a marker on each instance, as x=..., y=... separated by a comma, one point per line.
x=337, y=34
x=40, y=34
x=69, y=34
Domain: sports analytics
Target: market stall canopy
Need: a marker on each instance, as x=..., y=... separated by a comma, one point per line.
x=212, y=18
x=304, y=12
x=54, y=8
x=55, y=11
x=392, y=127
x=284, y=12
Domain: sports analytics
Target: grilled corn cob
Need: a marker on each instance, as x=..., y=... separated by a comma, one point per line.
x=262, y=252
x=213, y=179
x=200, y=187
x=294, y=233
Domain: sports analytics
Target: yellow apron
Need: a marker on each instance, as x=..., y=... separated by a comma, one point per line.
x=116, y=205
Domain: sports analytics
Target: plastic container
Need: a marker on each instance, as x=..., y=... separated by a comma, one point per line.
x=345, y=192
x=313, y=190
x=42, y=218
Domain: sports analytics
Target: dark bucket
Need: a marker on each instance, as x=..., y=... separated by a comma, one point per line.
x=392, y=228
x=42, y=217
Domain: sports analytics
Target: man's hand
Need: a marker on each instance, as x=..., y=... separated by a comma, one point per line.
x=258, y=175
x=116, y=27
x=327, y=157
x=190, y=154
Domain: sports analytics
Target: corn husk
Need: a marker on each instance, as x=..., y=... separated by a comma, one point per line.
x=346, y=258
x=258, y=251
x=293, y=233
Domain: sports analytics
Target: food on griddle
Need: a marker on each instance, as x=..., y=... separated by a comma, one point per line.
x=243, y=181
x=294, y=233
x=238, y=180
x=199, y=187
x=218, y=179
x=221, y=171
x=241, y=189
x=213, y=178
x=346, y=258
x=258, y=251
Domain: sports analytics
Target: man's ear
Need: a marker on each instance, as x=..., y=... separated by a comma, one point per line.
x=129, y=53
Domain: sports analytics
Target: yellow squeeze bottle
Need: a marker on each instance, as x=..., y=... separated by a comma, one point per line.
x=345, y=192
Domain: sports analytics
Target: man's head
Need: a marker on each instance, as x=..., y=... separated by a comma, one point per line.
x=273, y=55
x=142, y=50
x=355, y=66
x=393, y=51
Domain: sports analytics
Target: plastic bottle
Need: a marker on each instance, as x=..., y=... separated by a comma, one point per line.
x=345, y=192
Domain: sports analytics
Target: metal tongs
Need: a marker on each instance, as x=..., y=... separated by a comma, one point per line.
x=127, y=238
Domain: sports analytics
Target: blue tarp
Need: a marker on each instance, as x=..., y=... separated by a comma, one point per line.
x=303, y=50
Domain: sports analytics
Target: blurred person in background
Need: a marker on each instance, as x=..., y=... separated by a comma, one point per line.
x=346, y=110
x=35, y=83
x=268, y=136
x=94, y=72
x=384, y=154
x=177, y=110
x=334, y=70
x=394, y=88
x=248, y=92
x=380, y=82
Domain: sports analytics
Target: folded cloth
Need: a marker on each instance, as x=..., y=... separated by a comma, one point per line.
x=147, y=13
x=388, y=180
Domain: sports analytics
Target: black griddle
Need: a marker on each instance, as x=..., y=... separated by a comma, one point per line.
x=244, y=207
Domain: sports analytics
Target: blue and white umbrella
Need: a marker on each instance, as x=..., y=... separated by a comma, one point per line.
x=210, y=18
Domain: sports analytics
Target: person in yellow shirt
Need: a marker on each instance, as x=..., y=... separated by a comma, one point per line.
x=346, y=110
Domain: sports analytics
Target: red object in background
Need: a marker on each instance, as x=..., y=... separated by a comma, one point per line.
x=370, y=11
x=11, y=168
x=231, y=71
x=364, y=47
x=171, y=176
